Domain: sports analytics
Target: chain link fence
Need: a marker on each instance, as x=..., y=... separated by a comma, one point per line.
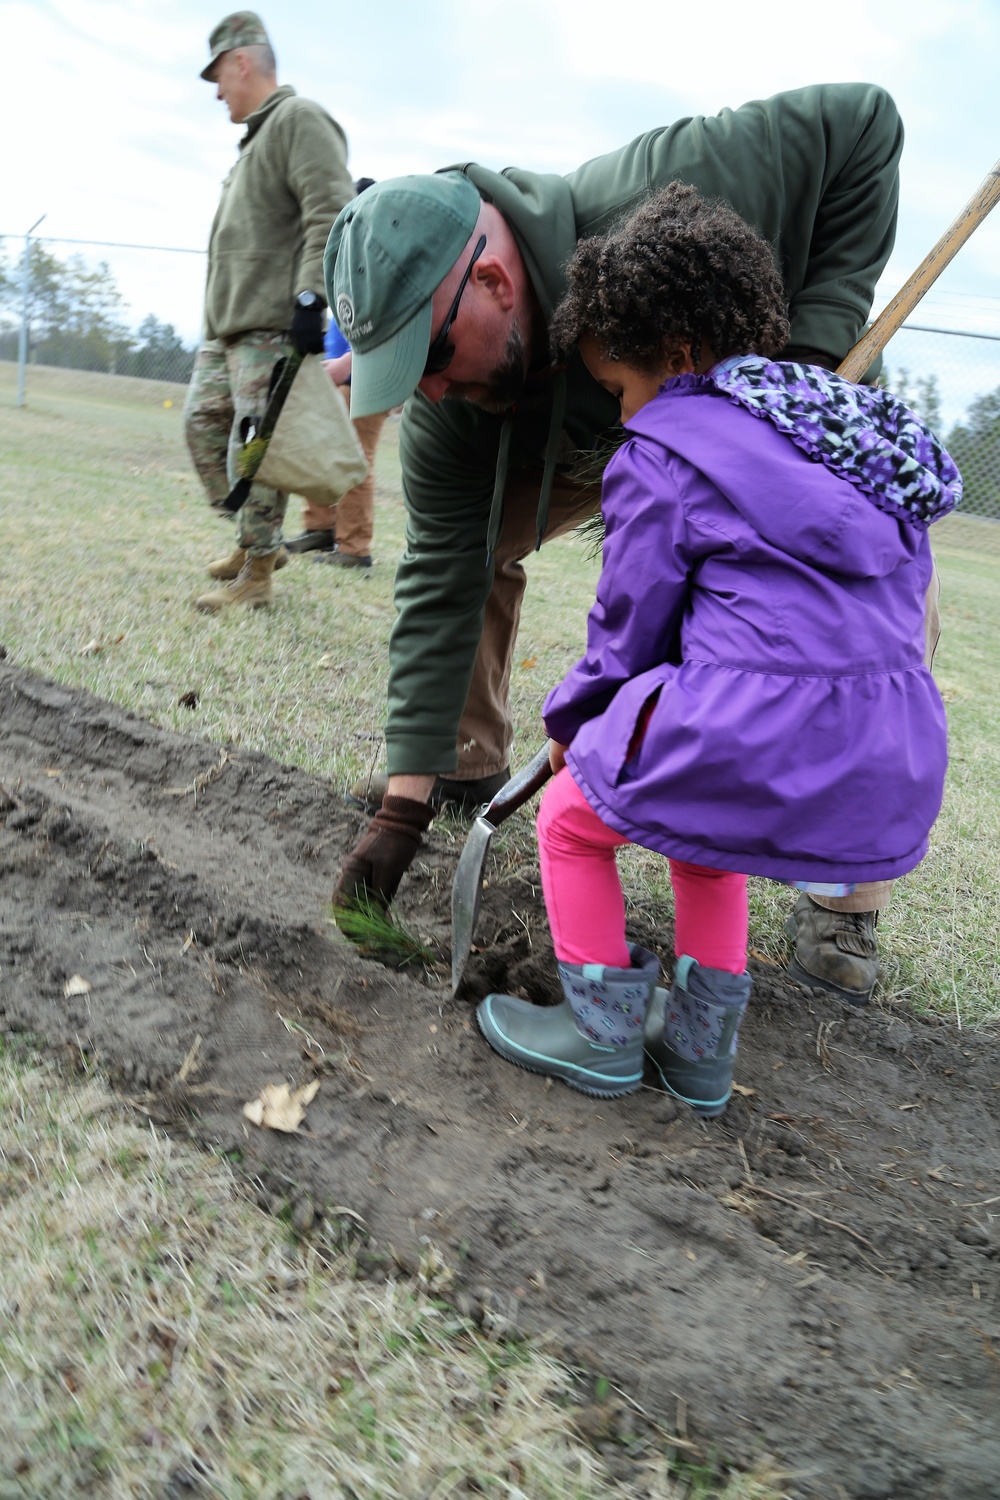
x=129, y=313
x=99, y=307
x=951, y=378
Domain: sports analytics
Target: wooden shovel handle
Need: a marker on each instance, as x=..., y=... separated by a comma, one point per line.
x=520, y=788
x=986, y=196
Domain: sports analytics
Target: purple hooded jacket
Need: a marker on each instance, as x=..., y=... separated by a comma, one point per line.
x=753, y=696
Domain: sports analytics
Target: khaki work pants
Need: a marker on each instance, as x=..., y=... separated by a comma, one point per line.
x=353, y=519
x=486, y=729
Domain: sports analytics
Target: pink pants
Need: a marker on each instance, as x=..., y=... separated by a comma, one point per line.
x=583, y=895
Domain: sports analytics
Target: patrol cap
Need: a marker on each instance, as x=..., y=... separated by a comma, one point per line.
x=242, y=29
x=388, y=252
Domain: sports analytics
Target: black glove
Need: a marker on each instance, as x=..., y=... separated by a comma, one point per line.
x=374, y=868
x=306, y=332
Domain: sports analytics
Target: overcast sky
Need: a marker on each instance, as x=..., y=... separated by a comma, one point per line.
x=109, y=131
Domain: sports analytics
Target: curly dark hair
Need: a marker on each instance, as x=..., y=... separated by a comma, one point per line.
x=681, y=270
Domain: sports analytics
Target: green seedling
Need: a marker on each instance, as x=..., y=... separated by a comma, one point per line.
x=375, y=934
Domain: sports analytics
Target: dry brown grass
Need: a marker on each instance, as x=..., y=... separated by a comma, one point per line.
x=157, y=1330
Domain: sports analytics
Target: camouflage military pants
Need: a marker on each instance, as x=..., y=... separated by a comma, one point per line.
x=230, y=382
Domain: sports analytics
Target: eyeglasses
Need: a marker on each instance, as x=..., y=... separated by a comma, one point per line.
x=439, y=355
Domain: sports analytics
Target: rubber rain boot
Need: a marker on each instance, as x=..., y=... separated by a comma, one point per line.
x=229, y=567
x=251, y=587
x=834, y=950
x=691, y=1033
x=593, y=1041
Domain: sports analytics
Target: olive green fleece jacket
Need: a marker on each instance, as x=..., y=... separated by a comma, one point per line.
x=278, y=204
x=814, y=170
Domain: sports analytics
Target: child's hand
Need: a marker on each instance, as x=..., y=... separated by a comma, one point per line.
x=557, y=755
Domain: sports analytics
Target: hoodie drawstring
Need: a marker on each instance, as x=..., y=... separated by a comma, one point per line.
x=551, y=454
x=495, y=525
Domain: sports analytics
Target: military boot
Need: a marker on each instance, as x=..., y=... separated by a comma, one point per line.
x=228, y=567
x=691, y=1032
x=834, y=950
x=251, y=587
x=593, y=1040
x=313, y=541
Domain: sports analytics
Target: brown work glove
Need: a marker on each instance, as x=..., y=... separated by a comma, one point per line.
x=375, y=866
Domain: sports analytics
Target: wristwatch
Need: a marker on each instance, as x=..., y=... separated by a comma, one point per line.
x=307, y=299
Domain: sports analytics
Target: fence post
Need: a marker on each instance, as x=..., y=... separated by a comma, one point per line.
x=22, y=343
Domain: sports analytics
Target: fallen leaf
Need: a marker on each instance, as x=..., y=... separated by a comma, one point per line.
x=529, y=662
x=188, y=700
x=53, y=771
x=76, y=986
x=277, y=1107
x=94, y=646
x=764, y=958
x=740, y=1088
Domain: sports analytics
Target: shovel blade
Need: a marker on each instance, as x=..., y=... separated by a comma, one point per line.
x=466, y=893
x=467, y=889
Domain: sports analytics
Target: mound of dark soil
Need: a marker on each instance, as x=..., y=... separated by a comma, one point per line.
x=814, y=1277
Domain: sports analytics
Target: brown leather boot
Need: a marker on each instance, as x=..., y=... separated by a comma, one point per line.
x=251, y=586
x=834, y=950
x=228, y=567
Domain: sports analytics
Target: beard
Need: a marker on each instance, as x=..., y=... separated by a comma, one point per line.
x=504, y=385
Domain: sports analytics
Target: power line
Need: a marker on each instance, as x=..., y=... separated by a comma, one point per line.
x=107, y=244
x=961, y=333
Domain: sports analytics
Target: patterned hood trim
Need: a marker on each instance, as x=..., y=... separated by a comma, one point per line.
x=862, y=433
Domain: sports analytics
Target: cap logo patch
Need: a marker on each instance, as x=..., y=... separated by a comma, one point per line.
x=345, y=312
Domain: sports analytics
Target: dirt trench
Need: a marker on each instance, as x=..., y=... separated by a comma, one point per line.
x=814, y=1277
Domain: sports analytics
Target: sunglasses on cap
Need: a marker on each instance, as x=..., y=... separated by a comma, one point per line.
x=439, y=355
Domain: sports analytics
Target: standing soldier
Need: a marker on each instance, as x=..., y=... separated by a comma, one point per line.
x=264, y=292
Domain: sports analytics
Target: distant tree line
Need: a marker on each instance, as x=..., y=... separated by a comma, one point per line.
x=974, y=443
x=76, y=321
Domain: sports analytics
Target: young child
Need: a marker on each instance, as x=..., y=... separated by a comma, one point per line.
x=753, y=698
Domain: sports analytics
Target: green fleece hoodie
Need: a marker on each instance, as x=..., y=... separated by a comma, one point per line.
x=814, y=170
x=278, y=203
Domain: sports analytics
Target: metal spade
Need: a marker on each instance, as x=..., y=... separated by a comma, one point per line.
x=467, y=888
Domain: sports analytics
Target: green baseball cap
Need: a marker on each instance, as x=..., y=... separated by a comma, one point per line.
x=242, y=29
x=388, y=252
